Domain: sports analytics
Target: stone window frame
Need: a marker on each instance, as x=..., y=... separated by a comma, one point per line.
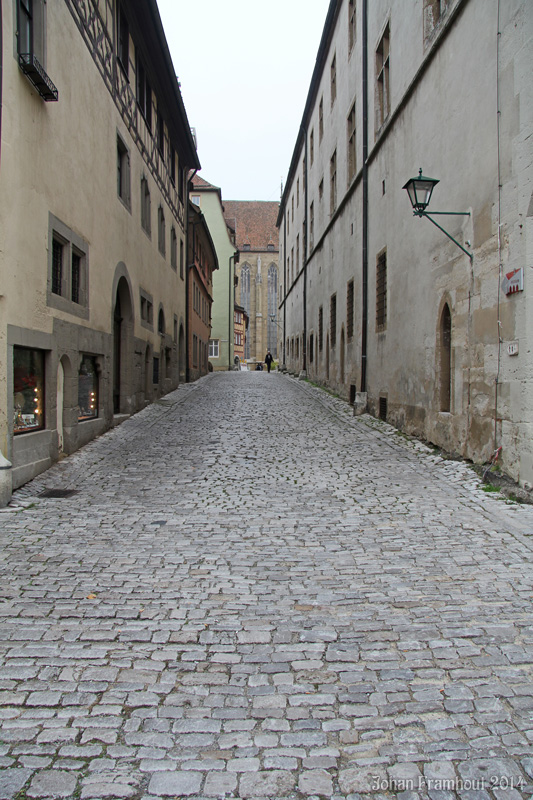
x=73, y=245
x=350, y=296
x=333, y=320
x=333, y=182
x=333, y=79
x=146, y=304
x=383, y=95
x=161, y=231
x=173, y=249
x=146, y=206
x=381, y=291
x=352, y=24
x=351, y=143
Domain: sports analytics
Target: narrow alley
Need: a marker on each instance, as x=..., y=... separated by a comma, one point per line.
x=299, y=604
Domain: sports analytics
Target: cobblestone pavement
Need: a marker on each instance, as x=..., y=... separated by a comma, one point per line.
x=254, y=594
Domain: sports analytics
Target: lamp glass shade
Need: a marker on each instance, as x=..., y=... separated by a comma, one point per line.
x=419, y=191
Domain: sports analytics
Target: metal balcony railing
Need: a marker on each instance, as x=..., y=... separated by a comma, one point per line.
x=36, y=74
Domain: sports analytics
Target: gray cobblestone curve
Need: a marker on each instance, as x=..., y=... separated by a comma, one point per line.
x=253, y=594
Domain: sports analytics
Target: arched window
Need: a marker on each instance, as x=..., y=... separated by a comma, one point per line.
x=445, y=358
x=245, y=301
x=272, y=331
x=161, y=322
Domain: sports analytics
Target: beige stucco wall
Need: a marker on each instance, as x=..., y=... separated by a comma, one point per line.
x=445, y=120
x=60, y=159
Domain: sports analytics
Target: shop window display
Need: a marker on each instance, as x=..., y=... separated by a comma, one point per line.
x=28, y=390
x=88, y=389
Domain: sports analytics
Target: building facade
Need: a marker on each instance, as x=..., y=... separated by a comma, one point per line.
x=201, y=263
x=241, y=328
x=432, y=333
x=256, y=236
x=96, y=149
x=221, y=345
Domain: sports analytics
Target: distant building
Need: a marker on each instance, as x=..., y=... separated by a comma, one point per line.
x=221, y=345
x=256, y=236
x=96, y=148
x=201, y=263
x=241, y=328
x=384, y=308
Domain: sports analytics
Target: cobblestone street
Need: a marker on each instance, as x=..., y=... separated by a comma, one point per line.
x=254, y=594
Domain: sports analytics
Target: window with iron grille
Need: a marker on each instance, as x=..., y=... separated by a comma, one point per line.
x=381, y=291
x=383, y=79
x=320, y=328
x=349, y=310
x=350, y=132
x=351, y=24
x=75, y=277
x=57, y=267
x=333, y=320
x=30, y=39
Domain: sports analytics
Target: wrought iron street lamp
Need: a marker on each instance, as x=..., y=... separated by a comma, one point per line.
x=420, y=190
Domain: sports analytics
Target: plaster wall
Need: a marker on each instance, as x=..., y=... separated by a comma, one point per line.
x=59, y=162
x=443, y=118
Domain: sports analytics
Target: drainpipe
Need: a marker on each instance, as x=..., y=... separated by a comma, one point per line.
x=187, y=375
x=364, y=332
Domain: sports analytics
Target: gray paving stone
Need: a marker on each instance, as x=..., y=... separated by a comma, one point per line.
x=331, y=609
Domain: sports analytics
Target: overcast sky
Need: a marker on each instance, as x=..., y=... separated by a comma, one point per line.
x=244, y=67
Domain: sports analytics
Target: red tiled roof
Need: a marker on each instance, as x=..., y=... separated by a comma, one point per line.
x=200, y=183
x=254, y=222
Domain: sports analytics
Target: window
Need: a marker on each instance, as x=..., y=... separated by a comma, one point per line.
x=161, y=322
x=182, y=260
x=321, y=120
x=297, y=253
x=433, y=12
x=160, y=134
x=181, y=181
x=381, y=291
x=445, y=359
x=195, y=199
x=214, y=348
x=144, y=93
x=67, y=270
x=350, y=132
x=57, y=267
x=146, y=207
x=123, y=40
x=383, y=79
x=147, y=309
x=349, y=310
x=312, y=146
x=311, y=224
x=175, y=329
x=321, y=189
x=172, y=164
x=351, y=25
x=333, y=79
x=28, y=389
x=88, y=389
x=333, y=183
x=292, y=263
x=333, y=320
x=155, y=371
x=297, y=192
x=311, y=348
x=320, y=328
x=123, y=172
x=31, y=46
x=161, y=231
x=173, y=248
x=292, y=213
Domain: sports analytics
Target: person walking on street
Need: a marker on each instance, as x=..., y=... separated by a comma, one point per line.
x=268, y=360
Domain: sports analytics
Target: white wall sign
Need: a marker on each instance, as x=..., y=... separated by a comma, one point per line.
x=513, y=281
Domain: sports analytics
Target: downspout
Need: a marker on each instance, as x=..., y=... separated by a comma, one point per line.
x=187, y=375
x=500, y=264
x=304, y=353
x=364, y=331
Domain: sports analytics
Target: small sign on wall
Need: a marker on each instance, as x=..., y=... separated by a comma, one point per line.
x=513, y=281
